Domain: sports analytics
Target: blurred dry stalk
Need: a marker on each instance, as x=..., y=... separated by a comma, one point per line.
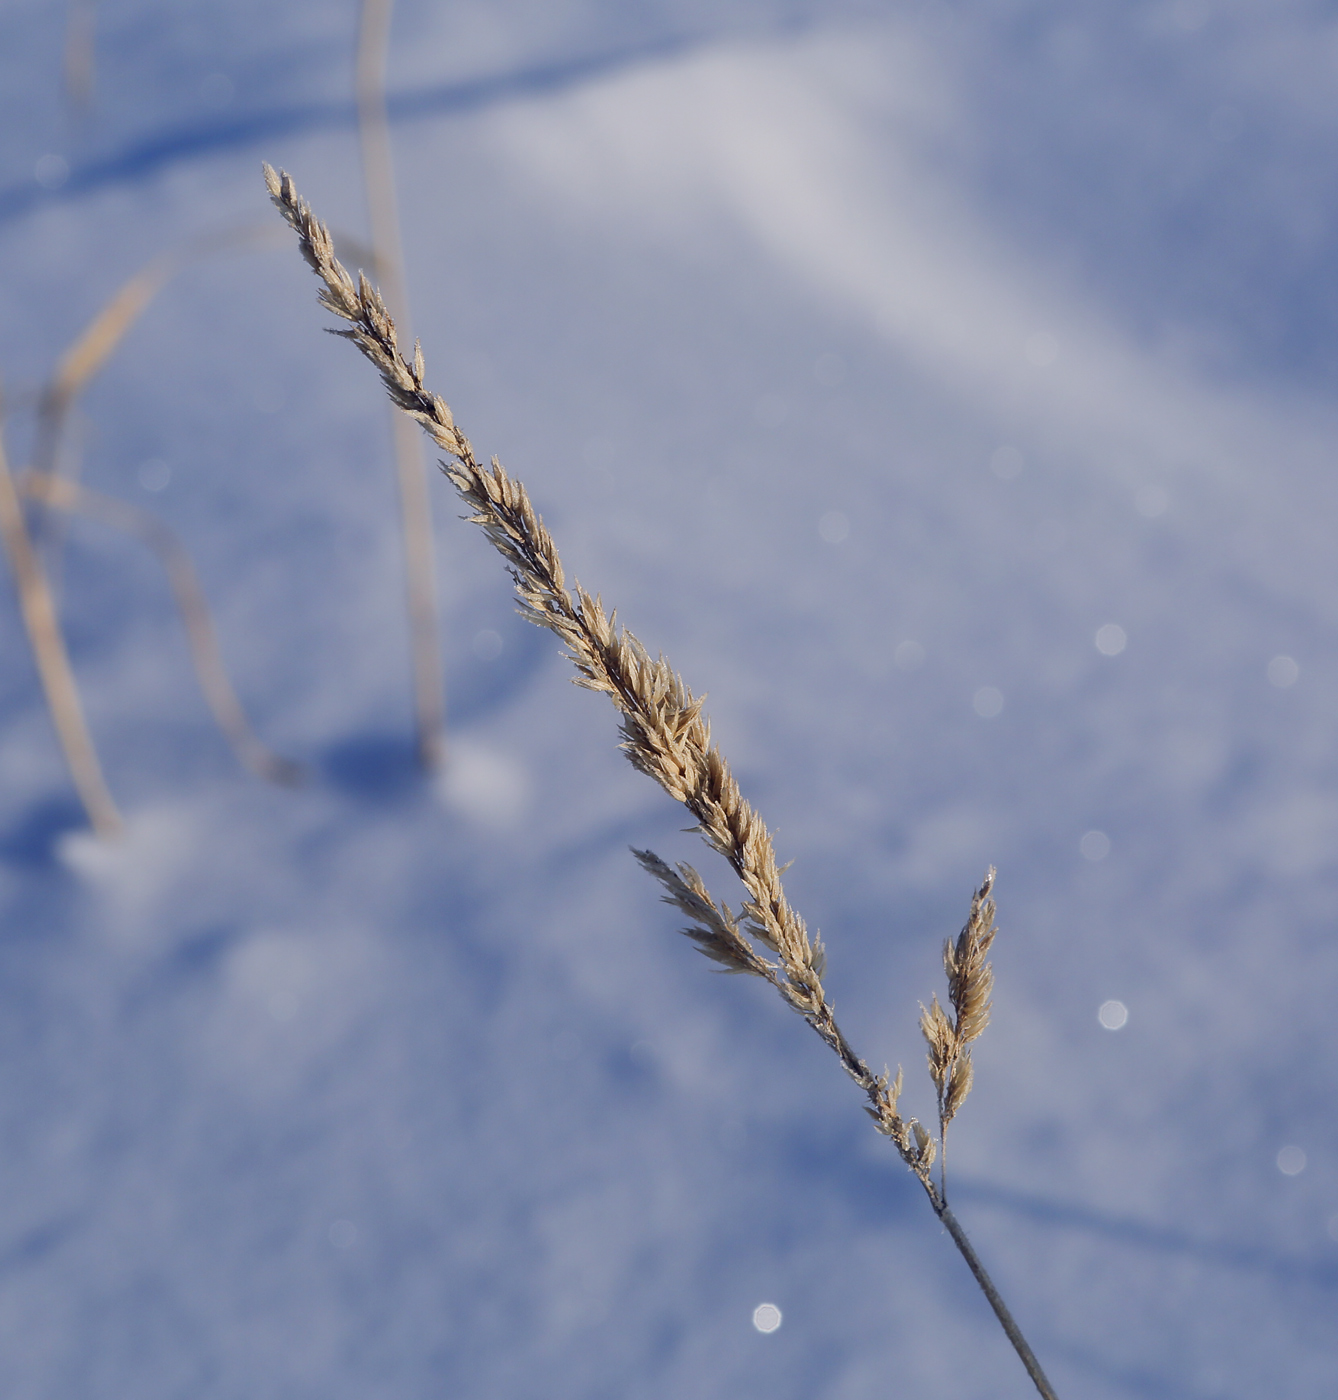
x=52, y=490
x=666, y=737
x=90, y=351
x=53, y=663
x=78, y=58
x=212, y=675
x=410, y=466
x=94, y=345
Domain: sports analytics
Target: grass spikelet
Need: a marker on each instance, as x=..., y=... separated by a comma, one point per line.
x=714, y=929
x=970, y=981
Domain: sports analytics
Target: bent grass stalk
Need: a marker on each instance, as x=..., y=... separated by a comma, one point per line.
x=53, y=662
x=53, y=485
x=665, y=736
x=211, y=673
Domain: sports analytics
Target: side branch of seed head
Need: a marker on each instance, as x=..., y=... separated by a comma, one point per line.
x=970, y=981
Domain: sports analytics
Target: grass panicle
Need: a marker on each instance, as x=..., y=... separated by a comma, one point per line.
x=666, y=736
x=663, y=731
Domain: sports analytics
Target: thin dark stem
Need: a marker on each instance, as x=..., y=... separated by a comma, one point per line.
x=987, y=1287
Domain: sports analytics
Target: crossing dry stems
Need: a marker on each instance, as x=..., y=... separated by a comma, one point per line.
x=59, y=493
x=53, y=485
x=38, y=607
x=666, y=736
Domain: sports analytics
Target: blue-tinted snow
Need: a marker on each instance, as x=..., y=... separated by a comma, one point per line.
x=387, y=1089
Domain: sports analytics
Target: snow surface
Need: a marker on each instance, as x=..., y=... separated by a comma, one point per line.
x=873, y=360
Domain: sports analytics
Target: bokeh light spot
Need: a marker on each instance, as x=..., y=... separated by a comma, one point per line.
x=51, y=171
x=766, y=1317
x=154, y=474
x=1114, y=1015
x=1095, y=845
x=1111, y=639
x=343, y=1233
x=988, y=701
x=1151, y=501
x=1283, y=672
x=1291, y=1161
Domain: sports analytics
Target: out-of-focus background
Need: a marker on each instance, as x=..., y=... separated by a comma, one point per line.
x=945, y=388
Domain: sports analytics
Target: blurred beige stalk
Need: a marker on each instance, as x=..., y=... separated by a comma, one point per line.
x=90, y=351
x=212, y=675
x=53, y=663
x=94, y=345
x=78, y=59
x=53, y=484
x=411, y=470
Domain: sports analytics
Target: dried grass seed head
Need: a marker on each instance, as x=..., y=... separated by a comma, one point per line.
x=663, y=730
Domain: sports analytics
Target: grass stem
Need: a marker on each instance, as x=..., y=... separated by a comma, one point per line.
x=1010, y=1327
